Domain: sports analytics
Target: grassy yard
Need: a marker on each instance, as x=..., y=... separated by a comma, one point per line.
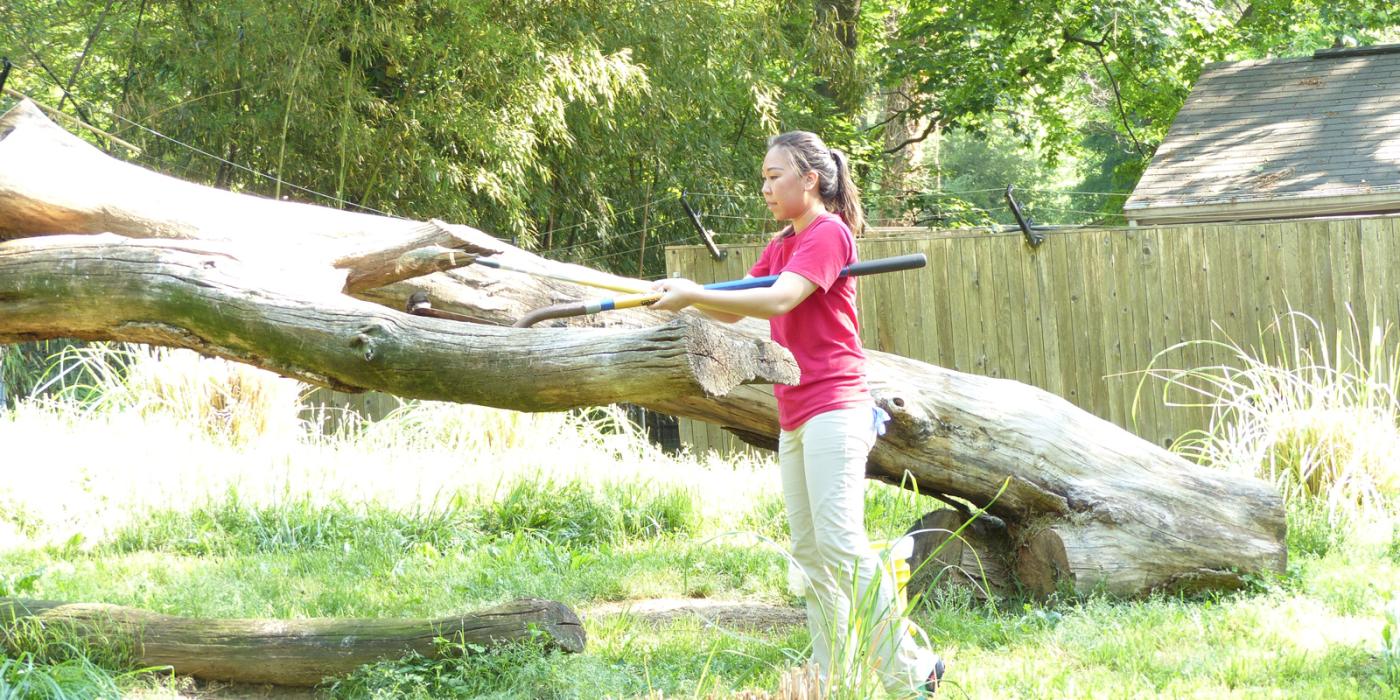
x=141, y=495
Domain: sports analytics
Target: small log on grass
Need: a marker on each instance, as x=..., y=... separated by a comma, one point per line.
x=281, y=652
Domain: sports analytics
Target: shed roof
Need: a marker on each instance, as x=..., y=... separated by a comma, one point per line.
x=1280, y=137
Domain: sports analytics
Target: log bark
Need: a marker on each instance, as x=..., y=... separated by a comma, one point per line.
x=283, y=652
x=177, y=294
x=1129, y=516
x=435, y=248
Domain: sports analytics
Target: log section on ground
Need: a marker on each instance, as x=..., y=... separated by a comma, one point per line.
x=282, y=652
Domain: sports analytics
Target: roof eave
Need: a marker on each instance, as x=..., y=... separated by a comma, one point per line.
x=1277, y=208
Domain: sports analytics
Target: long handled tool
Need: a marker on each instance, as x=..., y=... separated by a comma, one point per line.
x=616, y=284
x=419, y=304
x=894, y=264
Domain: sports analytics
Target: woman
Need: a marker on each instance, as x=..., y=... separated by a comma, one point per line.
x=829, y=422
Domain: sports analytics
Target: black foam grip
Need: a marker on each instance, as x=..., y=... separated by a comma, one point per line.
x=894, y=264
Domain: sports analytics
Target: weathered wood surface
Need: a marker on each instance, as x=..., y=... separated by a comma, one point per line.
x=173, y=293
x=1130, y=516
x=285, y=652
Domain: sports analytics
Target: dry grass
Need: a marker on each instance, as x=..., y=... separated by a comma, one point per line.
x=1316, y=413
x=174, y=430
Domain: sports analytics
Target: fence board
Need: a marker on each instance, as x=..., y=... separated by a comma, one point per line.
x=940, y=296
x=1070, y=287
x=1376, y=247
x=984, y=313
x=1332, y=302
x=924, y=327
x=1032, y=332
x=1137, y=313
x=1002, y=356
x=1387, y=300
x=1120, y=323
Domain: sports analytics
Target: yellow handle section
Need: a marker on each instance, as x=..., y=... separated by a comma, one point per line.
x=620, y=286
x=632, y=301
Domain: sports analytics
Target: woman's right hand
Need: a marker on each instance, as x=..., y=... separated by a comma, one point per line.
x=677, y=293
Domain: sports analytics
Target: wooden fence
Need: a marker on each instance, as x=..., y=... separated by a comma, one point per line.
x=1084, y=314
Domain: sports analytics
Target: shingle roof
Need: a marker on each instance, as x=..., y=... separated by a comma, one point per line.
x=1281, y=129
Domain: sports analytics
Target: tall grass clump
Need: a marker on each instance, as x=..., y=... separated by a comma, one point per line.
x=1313, y=412
x=51, y=660
x=435, y=426
x=22, y=367
x=230, y=401
x=227, y=527
x=25, y=678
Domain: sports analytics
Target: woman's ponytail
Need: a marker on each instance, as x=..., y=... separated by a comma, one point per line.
x=847, y=199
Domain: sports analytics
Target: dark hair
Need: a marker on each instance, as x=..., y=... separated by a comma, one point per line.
x=838, y=191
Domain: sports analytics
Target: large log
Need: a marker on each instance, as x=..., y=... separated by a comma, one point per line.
x=177, y=293
x=282, y=652
x=1086, y=505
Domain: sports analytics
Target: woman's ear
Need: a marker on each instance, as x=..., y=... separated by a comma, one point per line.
x=811, y=180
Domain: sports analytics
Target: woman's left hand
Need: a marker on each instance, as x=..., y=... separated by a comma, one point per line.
x=678, y=293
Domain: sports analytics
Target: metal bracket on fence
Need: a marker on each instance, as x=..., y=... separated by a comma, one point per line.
x=705, y=235
x=1027, y=226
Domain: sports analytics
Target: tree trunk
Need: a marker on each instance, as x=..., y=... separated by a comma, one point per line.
x=181, y=294
x=902, y=124
x=1086, y=505
x=840, y=21
x=283, y=652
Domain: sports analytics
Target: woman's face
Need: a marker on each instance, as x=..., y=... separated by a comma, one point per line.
x=788, y=194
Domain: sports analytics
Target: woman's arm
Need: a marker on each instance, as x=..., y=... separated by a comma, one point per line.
x=728, y=305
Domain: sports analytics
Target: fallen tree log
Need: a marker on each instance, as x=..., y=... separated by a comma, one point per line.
x=281, y=652
x=1086, y=505
x=174, y=293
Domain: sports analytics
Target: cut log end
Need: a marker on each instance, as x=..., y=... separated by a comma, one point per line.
x=987, y=557
x=1042, y=564
x=721, y=361
x=977, y=558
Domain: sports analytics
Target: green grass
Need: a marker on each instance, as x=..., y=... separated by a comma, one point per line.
x=1315, y=632
x=443, y=509
x=24, y=677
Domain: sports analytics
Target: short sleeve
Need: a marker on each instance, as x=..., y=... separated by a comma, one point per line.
x=765, y=262
x=822, y=251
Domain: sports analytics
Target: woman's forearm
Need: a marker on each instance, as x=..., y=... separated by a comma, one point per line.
x=762, y=302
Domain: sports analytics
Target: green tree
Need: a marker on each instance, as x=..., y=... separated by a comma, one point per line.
x=1028, y=65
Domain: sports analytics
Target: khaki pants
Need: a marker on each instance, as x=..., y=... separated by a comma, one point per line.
x=823, y=470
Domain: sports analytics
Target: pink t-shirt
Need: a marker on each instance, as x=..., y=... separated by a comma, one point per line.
x=821, y=332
